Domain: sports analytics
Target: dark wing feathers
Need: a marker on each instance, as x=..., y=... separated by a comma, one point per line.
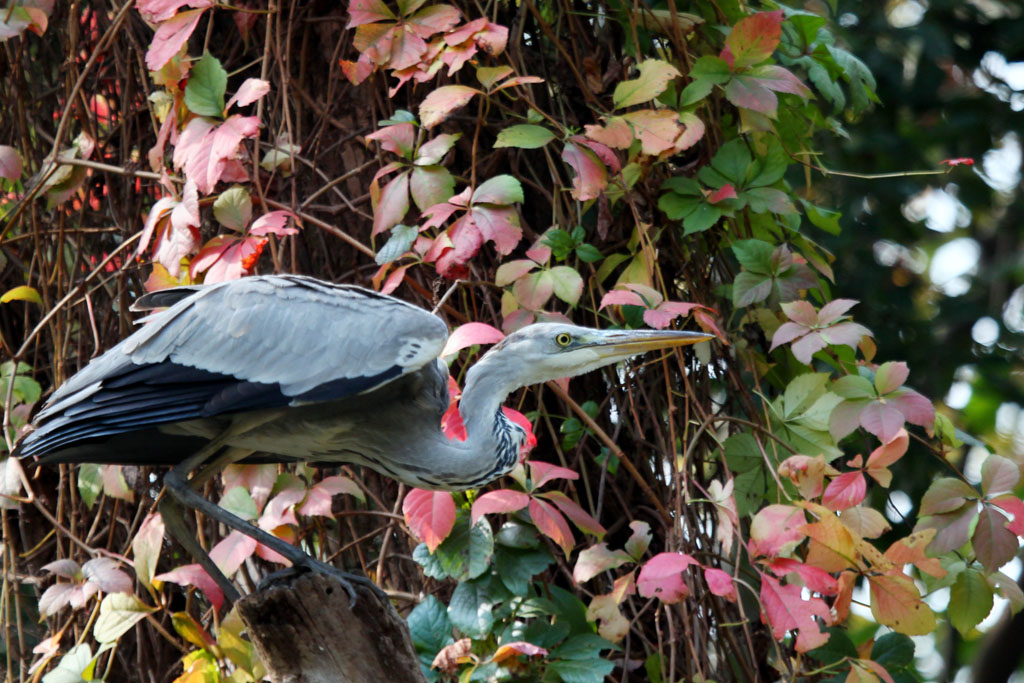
x=251, y=344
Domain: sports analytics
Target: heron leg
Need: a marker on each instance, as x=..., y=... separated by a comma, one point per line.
x=181, y=488
x=173, y=515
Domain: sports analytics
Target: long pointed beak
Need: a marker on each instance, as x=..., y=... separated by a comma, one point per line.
x=625, y=343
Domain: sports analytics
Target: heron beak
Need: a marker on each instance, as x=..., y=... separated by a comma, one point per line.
x=625, y=343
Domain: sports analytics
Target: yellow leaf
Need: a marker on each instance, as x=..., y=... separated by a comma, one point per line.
x=896, y=602
x=22, y=293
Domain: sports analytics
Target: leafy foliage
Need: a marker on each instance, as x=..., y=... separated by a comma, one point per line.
x=669, y=170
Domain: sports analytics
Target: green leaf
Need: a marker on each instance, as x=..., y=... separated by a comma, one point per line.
x=838, y=647
x=567, y=284
x=754, y=255
x=749, y=288
x=471, y=608
x=588, y=253
x=731, y=161
x=524, y=136
x=946, y=431
x=702, y=218
x=517, y=567
x=429, y=625
x=654, y=77
x=90, y=483
x=402, y=237
x=582, y=671
x=822, y=218
x=501, y=189
x=238, y=501
x=749, y=490
x=77, y=666
x=233, y=208
x=894, y=651
x=802, y=392
x=742, y=453
x=581, y=647
x=561, y=243
x=204, y=93
x=970, y=601
x=119, y=612
x=465, y=554
x=677, y=207
x=515, y=534
x=854, y=387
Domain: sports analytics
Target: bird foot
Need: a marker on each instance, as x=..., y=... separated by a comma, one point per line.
x=347, y=580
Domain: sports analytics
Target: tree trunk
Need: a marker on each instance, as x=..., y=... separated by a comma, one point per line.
x=306, y=632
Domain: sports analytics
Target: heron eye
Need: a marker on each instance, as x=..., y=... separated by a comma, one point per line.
x=563, y=339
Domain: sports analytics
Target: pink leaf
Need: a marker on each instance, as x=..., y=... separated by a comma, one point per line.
x=367, y=11
x=66, y=569
x=442, y=103
x=543, y=472
x=580, y=517
x=520, y=647
x=621, y=297
x=591, y=176
x=786, y=333
x=915, y=408
x=452, y=425
x=434, y=19
x=232, y=551
x=162, y=206
x=155, y=11
x=785, y=610
x=430, y=515
x=776, y=530
x=252, y=89
x=890, y=376
x=659, y=319
x=392, y=205
x=596, y=559
x=104, y=572
x=551, y=523
x=848, y=334
x=258, y=480
x=281, y=508
x=318, y=498
x=398, y=139
x=195, y=575
x=891, y=451
x=498, y=224
x=500, y=501
x=616, y=133
x=533, y=290
x=10, y=163
x=720, y=583
x=966, y=161
x=882, y=420
x=845, y=491
x=226, y=140
x=170, y=36
x=146, y=547
x=805, y=348
x=801, y=312
x=662, y=577
x=393, y=280
x=273, y=223
x=994, y=544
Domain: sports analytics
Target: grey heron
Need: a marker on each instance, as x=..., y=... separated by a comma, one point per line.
x=281, y=368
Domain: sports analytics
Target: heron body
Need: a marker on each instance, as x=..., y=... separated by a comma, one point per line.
x=313, y=371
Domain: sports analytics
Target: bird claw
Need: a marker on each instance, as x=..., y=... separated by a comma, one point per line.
x=347, y=580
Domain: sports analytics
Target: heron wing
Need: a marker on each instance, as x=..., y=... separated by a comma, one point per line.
x=251, y=344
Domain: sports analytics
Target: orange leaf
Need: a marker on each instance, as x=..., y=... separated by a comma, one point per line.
x=896, y=602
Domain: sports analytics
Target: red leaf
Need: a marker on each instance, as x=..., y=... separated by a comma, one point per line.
x=815, y=578
x=753, y=39
x=551, y=523
x=500, y=501
x=195, y=575
x=1015, y=506
x=520, y=419
x=727, y=191
x=398, y=138
x=430, y=515
x=785, y=610
x=720, y=583
x=452, y=425
x=170, y=36
x=845, y=491
x=393, y=280
x=155, y=11
x=543, y=472
x=580, y=517
x=662, y=577
x=966, y=161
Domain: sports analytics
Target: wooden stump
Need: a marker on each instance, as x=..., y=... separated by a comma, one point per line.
x=305, y=632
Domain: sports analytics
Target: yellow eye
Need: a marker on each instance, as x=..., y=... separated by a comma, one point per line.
x=563, y=339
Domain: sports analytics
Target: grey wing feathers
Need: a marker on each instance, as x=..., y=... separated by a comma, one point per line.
x=259, y=342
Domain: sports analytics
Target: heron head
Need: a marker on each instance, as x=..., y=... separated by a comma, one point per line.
x=546, y=351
